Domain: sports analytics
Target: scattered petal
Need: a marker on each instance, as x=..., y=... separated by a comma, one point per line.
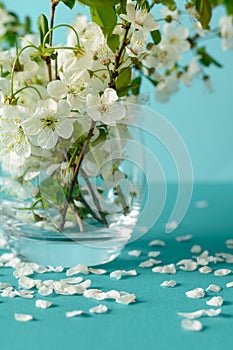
x=92, y=293
x=74, y=313
x=195, y=293
x=171, y=269
x=229, y=242
x=229, y=284
x=183, y=238
x=205, y=269
x=187, y=265
x=43, y=304
x=26, y=282
x=196, y=249
x=97, y=271
x=171, y=283
x=154, y=254
x=172, y=225
x=55, y=269
x=213, y=288
x=212, y=312
x=157, y=242
x=126, y=299
x=222, y=272
x=135, y=253
x=100, y=309
x=45, y=291
x=191, y=315
x=201, y=204
x=119, y=273
x=190, y=325
x=80, y=268
x=72, y=280
x=215, y=301
x=149, y=263
x=23, y=317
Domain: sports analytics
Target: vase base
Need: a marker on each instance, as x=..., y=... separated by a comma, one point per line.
x=67, y=253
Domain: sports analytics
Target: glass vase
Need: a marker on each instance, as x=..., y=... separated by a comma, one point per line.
x=44, y=221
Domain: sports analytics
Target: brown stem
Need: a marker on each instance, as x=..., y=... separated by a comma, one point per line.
x=75, y=175
x=79, y=219
x=54, y=4
x=49, y=67
x=56, y=67
x=124, y=43
x=122, y=200
x=94, y=197
x=83, y=200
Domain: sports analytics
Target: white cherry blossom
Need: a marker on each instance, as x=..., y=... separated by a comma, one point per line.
x=105, y=108
x=226, y=30
x=50, y=121
x=141, y=20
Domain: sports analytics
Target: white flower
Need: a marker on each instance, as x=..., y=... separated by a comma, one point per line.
x=75, y=61
x=137, y=44
x=105, y=108
x=226, y=29
x=4, y=89
x=192, y=69
x=162, y=56
x=5, y=18
x=165, y=88
x=141, y=20
x=25, y=68
x=176, y=37
x=12, y=134
x=72, y=86
x=165, y=12
x=50, y=121
x=200, y=31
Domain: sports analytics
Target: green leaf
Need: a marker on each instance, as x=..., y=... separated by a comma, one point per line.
x=99, y=3
x=105, y=17
x=123, y=92
x=204, y=9
x=229, y=6
x=43, y=27
x=123, y=79
x=136, y=84
x=113, y=42
x=206, y=59
x=69, y=3
x=27, y=24
x=122, y=7
x=170, y=4
x=156, y=36
x=143, y=4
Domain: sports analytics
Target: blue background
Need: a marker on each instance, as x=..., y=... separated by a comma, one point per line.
x=205, y=122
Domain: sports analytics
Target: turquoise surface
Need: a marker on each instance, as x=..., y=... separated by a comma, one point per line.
x=152, y=322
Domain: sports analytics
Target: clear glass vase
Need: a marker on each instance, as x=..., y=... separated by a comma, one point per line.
x=49, y=218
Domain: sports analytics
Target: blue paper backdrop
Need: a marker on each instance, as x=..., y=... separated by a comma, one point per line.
x=204, y=120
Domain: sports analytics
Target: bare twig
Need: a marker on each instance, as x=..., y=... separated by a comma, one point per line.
x=79, y=219
x=54, y=4
x=122, y=200
x=94, y=197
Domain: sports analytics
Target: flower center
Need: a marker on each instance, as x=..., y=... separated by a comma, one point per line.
x=49, y=122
